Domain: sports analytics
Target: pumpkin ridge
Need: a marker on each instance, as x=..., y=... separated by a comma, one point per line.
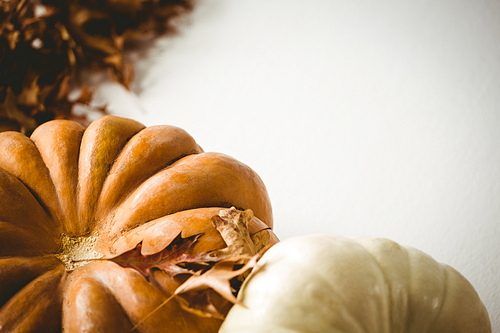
x=408, y=293
x=222, y=205
x=443, y=298
x=389, y=295
x=20, y=158
x=37, y=305
x=101, y=143
x=84, y=290
x=20, y=209
x=58, y=143
x=16, y=273
x=16, y=240
x=145, y=154
x=415, y=258
x=201, y=180
x=384, y=245
x=359, y=324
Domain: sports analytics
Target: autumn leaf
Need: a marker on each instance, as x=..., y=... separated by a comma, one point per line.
x=217, y=278
x=202, y=304
x=172, y=260
x=46, y=45
x=198, y=293
x=232, y=224
x=194, y=294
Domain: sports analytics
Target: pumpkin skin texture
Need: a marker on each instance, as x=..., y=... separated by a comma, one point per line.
x=108, y=188
x=322, y=283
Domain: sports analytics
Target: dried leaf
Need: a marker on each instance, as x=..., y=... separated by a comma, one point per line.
x=225, y=268
x=44, y=45
x=200, y=304
x=29, y=93
x=85, y=96
x=10, y=110
x=217, y=278
x=172, y=260
x=233, y=227
x=194, y=294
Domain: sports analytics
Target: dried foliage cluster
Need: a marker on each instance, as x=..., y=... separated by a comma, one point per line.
x=206, y=283
x=45, y=43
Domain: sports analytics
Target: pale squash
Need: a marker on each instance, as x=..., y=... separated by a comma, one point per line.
x=318, y=284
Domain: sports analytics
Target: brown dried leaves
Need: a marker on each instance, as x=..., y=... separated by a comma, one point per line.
x=45, y=43
x=219, y=271
x=233, y=227
x=217, y=278
x=173, y=260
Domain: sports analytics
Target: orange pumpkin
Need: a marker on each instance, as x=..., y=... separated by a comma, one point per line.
x=70, y=196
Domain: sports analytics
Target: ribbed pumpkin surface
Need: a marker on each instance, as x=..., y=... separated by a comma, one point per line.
x=107, y=188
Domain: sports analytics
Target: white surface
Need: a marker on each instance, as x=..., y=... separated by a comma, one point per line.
x=363, y=118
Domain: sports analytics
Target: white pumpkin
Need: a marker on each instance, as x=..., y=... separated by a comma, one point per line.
x=321, y=283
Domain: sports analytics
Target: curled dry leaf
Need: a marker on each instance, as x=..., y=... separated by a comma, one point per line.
x=233, y=227
x=214, y=271
x=173, y=260
x=203, y=303
x=217, y=278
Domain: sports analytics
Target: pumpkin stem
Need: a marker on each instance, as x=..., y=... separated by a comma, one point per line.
x=77, y=251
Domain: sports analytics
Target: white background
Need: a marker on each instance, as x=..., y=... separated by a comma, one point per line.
x=376, y=118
